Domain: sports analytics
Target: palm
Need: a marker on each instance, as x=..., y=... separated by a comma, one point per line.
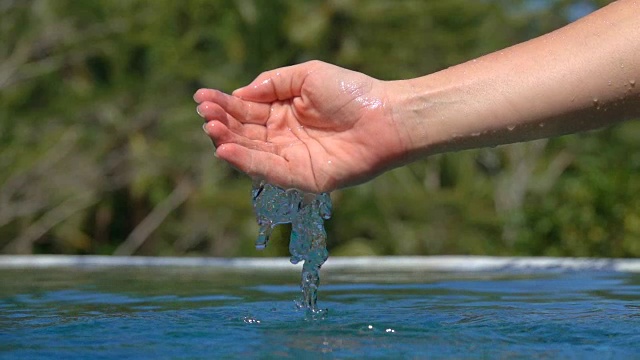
x=323, y=137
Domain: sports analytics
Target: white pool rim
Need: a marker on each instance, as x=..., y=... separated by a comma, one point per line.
x=399, y=263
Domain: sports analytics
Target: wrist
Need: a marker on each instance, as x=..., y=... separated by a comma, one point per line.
x=420, y=110
x=454, y=109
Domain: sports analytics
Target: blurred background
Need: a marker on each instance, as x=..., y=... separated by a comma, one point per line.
x=101, y=150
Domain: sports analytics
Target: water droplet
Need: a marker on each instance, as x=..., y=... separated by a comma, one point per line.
x=329, y=162
x=632, y=83
x=609, y=83
x=596, y=103
x=250, y=320
x=541, y=125
x=264, y=82
x=389, y=331
x=370, y=327
x=511, y=127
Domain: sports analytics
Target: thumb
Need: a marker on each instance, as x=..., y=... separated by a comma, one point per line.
x=278, y=84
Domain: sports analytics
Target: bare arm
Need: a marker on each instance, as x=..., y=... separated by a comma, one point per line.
x=318, y=127
x=580, y=77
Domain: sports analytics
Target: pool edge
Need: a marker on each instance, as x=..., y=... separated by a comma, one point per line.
x=432, y=263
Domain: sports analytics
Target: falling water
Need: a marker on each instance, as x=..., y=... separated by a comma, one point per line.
x=306, y=212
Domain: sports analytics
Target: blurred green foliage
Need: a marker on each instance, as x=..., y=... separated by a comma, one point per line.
x=101, y=150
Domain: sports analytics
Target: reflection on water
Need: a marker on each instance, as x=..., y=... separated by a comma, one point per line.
x=205, y=313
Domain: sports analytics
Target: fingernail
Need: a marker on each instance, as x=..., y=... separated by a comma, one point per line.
x=198, y=111
x=204, y=128
x=215, y=153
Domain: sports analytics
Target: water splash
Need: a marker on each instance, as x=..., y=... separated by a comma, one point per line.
x=306, y=212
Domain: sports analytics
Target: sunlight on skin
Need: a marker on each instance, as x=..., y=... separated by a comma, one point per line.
x=318, y=127
x=300, y=134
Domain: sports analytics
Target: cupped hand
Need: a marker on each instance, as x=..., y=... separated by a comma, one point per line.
x=313, y=126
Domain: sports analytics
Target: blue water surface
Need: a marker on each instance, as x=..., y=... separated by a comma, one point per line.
x=201, y=313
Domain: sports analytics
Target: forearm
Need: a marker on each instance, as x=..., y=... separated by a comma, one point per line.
x=580, y=77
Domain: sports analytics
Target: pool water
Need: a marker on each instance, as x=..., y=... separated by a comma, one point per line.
x=178, y=312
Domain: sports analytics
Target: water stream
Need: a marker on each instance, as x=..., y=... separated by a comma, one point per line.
x=306, y=213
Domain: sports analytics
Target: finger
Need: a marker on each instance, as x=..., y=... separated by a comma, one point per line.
x=242, y=110
x=221, y=134
x=257, y=164
x=253, y=132
x=278, y=84
x=212, y=111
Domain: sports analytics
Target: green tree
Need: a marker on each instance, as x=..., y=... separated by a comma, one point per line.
x=101, y=151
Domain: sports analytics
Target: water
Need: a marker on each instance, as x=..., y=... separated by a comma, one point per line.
x=306, y=213
x=206, y=312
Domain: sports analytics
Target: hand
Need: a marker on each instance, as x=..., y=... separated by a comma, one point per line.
x=314, y=126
